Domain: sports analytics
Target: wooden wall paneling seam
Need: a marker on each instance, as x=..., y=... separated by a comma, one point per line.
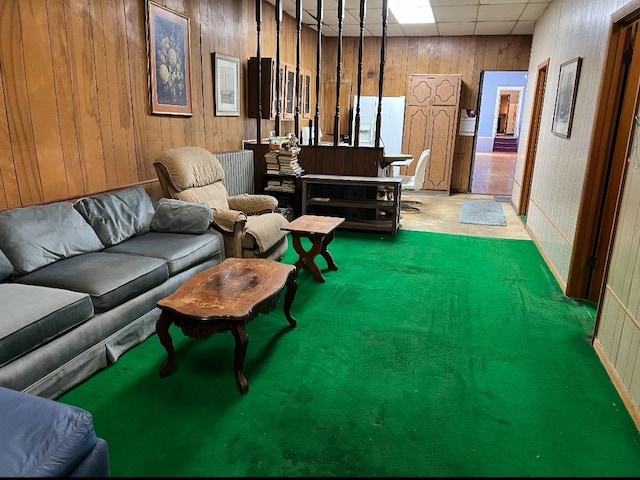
x=138, y=84
x=125, y=154
x=104, y=107
x=85, y=95
x=63, y=92
x=8, y=184
x=17, y=101
x=38, y=64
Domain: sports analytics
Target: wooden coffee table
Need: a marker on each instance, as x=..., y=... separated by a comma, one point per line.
x=226, y=297
x=320, y=230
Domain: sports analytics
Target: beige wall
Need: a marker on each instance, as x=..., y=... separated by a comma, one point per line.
x=569, y=29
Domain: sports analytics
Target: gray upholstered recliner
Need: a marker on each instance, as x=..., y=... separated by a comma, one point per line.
x=250, y=227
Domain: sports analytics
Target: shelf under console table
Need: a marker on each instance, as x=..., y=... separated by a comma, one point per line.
x=366, y=203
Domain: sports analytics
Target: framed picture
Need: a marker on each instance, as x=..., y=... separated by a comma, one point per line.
x=566, y=98
x=169, y=61
x=226, y=85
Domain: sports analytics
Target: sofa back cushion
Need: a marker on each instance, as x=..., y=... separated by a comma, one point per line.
x=176, y=216
x=6, y=269
x=117, y=216
x=32, y=237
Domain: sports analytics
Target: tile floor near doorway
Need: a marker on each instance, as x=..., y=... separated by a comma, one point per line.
x=441, y=213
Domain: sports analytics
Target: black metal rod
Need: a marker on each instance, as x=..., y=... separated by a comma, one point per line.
x=259, y=82
x=383, y=57
x=298, y=55
x=278, y=72
x=336, y=124
x=316, y=127
x=356, y=133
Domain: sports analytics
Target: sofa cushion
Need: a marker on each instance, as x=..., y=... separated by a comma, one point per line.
x=34, y=315
x=6, y=269
x=43, y=437
x=176, y=216
x=180, y=250
x=32, y=237
x=117, y=216
x=110, y=278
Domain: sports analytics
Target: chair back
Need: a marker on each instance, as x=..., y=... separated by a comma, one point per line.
x=192, y=174
x=421, y=169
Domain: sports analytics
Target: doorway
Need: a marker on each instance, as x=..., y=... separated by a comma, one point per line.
x=500, y=107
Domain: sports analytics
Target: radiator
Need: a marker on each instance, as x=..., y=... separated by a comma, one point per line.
x=238, y=171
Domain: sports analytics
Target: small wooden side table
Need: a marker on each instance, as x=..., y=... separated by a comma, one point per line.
x=226, y=297
x=320, y=230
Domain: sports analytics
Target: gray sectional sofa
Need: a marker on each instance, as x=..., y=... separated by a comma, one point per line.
x=79, y=281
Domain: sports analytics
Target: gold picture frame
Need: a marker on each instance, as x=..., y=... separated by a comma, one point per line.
x=566, y=97
x=168, y=35
x=226, y=85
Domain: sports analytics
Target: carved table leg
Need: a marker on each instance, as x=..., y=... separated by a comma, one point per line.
x=307, y=257
x=292, y=287
x=325, y=253
x=239, y=332
x=162, y=329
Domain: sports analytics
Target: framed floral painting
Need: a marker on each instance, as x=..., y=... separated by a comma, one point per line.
x=169, y=61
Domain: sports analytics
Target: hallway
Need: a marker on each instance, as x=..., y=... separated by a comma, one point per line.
x=493, y=173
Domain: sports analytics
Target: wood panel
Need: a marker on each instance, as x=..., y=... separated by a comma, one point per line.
x=75, y=99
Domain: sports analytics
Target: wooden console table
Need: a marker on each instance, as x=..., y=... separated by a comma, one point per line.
x=366, y=203
x=226, y=297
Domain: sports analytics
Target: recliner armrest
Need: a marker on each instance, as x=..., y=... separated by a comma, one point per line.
x=227, y=219
x=252, y=204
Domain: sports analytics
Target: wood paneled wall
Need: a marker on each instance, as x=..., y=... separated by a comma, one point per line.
x=74, y=92
x=468, y=55
x=74, y=97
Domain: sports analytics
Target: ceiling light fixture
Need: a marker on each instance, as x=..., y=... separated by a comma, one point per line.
x=411, y=11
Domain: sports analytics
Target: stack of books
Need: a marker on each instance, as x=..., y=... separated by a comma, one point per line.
x=283, y=162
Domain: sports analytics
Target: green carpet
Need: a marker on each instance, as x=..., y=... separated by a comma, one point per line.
x=423, y=355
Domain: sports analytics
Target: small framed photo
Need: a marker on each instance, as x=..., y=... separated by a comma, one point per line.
x=169, y=61
x=566, y=97
x=226, y=85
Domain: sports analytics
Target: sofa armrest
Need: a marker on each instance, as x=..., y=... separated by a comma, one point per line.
x=253, y=204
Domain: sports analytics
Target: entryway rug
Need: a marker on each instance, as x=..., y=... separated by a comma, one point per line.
x=482, y=213
x=502, y=198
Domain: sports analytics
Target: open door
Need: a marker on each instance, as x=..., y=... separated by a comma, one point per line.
x=534, y=131
x=605, y=170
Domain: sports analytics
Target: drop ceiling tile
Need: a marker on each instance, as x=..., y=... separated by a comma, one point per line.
x=443, y=3
x=392, y=30
x=456, y=28
x=494, y=28
x=502, y=2
x=355, y=4
x=456, y=14
x=523, y=28
x=420, y=30
x=498, y=13
x=533, y=11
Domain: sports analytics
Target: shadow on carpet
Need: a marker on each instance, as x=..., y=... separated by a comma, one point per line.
x=482, y=213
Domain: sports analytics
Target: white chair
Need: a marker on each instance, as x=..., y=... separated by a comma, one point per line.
x=416, y=181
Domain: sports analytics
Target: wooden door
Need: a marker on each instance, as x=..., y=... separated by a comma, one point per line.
x=442, y=142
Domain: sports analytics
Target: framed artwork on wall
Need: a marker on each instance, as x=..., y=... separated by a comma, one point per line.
x=168, y=35
x=566, y=97
x=226, y=85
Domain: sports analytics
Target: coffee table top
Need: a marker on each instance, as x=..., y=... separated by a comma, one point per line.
x=231, y=290
x=314, y=224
